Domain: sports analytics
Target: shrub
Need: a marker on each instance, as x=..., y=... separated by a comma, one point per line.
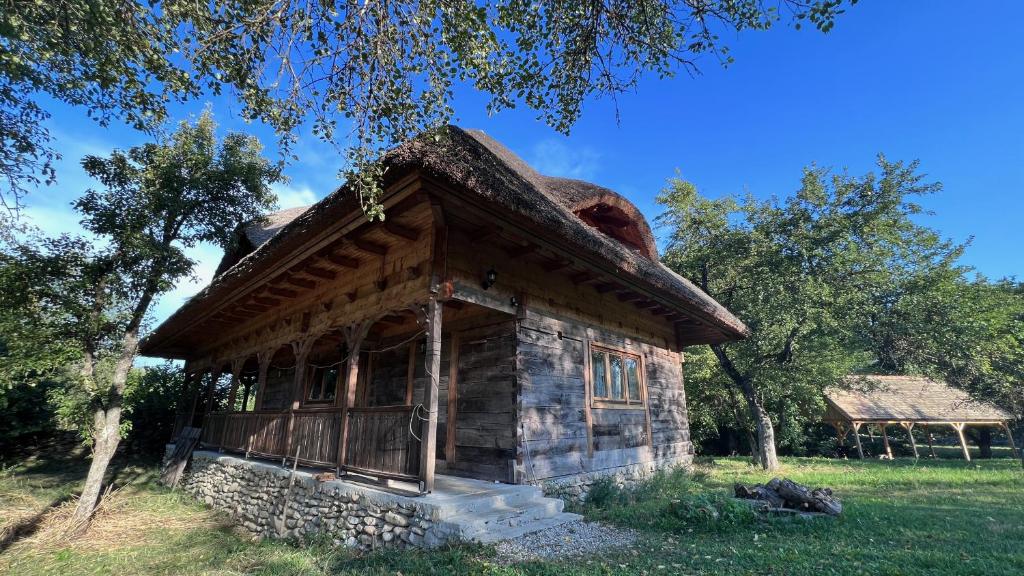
x=673, y=501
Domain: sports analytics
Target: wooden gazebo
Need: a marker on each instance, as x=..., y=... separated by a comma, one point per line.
x=907, y=401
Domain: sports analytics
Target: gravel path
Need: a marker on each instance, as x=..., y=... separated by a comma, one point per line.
x=569, y=539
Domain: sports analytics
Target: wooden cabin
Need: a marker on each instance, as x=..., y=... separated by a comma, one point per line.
x=497, y=324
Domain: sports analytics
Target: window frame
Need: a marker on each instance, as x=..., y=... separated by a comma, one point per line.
x=604, y=402
x=312, y=379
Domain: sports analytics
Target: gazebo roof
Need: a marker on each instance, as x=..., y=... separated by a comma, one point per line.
x=907, y=399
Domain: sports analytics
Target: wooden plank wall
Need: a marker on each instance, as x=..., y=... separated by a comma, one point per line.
x=556, y=319
x=553, y=434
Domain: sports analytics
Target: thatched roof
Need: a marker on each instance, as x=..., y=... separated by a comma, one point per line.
x=476, y=163
x=260, y=231
x=908, y=398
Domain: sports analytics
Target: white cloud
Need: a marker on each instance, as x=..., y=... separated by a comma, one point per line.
x=292, y=196
x=554, y=158
x=206, y=257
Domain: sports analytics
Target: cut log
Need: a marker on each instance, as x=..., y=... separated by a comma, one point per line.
x=782, y=494
x=819, y=500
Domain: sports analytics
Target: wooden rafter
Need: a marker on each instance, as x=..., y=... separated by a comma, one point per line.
x=371, y=247
x=392, y=227
x=521, y=250
x=301, y=282
x=554, y=265
x=581, y=277
x=319, y=272
x=282, y=292
x=341, y=260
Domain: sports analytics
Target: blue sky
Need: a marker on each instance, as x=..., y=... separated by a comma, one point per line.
x=942, y=82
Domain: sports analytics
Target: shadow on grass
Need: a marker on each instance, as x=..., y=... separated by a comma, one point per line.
x=27, y=527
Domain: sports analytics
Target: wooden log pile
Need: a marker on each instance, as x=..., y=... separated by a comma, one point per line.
x=783, y=495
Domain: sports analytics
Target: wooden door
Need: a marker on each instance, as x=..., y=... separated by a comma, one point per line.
x=483, y=423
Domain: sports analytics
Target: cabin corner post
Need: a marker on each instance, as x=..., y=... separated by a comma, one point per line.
x=428, y=447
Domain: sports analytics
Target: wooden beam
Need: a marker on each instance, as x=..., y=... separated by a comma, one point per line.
x=483, y=233
x=629, y=297
x=959, y=427
x=266, y=301
x=885, y=439
x=554, y=265
x=301, y=282
x=341, y=260
x=474, y=295
x=855, y=426
x=581, y=277
x=1009, y=437
x=396, y=229
x=518, y=251
x=282, y=292
x=371, y=247
x=319, y=272
x=252, y=308
x=606, y=287
x=909, y=427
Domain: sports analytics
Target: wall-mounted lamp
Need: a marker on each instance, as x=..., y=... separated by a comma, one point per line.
x=513, y=302
x=490, y=278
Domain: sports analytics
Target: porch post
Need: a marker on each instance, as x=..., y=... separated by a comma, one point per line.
x=183, y=401
x=354, y=336
x=208, y=402
x=194, y=392
x=959, y=427
x=428, y=447
x=264, y=357
x=1009, y=436
x=301, y=350
x=885, y=440
x=909, y=426
x=856, y=438
x=236, y=369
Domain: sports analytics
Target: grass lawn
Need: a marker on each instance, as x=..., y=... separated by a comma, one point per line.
x=932, y=517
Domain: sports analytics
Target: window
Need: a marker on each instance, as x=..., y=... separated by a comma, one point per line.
x=323, y=385
x=615, y=378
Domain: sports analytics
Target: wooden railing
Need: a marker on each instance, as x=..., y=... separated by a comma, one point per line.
x=314, y=439
x=380, y=442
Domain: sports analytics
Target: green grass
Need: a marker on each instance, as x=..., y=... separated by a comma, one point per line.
x=901, y=517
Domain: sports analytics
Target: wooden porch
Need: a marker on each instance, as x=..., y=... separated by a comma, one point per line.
x=379, y=440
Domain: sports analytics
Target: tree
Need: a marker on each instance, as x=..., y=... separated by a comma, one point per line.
x=801, y=272
x=967, y=333
x=386, y=69
x=156, y=201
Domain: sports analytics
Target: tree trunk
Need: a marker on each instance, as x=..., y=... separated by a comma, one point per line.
x=106, y=437
x=764, y=452
x=769, y=460
x=106, y=434
x=985, y=442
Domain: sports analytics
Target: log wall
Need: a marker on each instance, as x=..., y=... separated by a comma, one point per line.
x=558, y=433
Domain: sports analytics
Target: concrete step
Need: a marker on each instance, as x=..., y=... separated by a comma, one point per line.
x=545, y=508
x=498, y=534
x=509, y=497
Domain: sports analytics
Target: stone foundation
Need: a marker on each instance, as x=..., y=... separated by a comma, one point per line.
x=267, y=501
x=575, y=488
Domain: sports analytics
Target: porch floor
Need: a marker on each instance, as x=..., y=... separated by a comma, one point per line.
x=465, y=508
